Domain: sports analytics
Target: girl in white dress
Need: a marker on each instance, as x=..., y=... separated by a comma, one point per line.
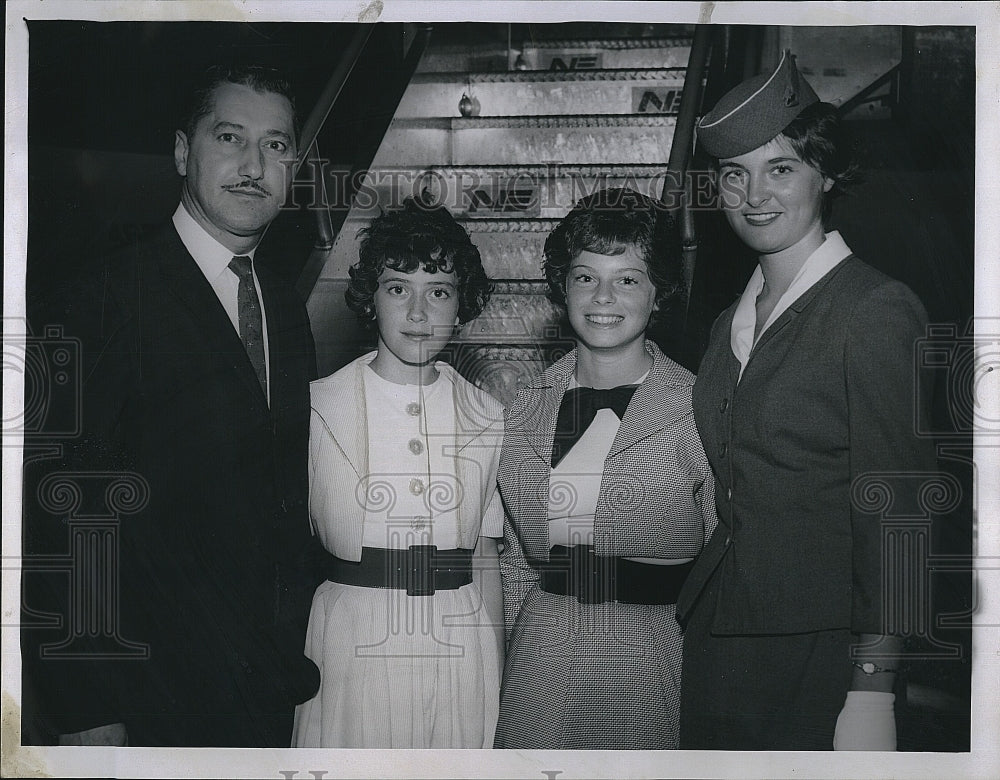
x=408, y=628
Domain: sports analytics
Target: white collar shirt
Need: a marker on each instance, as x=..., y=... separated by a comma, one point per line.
x=741, y=338
x=213, y=260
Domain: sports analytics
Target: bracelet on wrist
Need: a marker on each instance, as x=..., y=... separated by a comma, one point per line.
x=870, y=668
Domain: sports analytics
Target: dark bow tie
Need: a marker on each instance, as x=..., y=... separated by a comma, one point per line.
x=578, y=409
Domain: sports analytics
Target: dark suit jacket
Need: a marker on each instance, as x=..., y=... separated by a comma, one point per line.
x=812, y=450
x=212, y=563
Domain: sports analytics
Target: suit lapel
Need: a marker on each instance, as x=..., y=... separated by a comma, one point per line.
x=534, y=420
x=472, y=420
x=195, y=296
x=537, y=414
x=650, y=411
x=795, y=308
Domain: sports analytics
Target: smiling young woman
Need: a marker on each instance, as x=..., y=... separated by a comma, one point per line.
x=610, y=300
x=805, y=388
x=608, y=497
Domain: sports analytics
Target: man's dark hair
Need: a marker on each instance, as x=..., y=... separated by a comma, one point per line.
x=415, y=236
x=608, y=222
x=260, y=78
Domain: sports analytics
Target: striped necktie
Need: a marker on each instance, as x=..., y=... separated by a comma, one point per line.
x=251, y=322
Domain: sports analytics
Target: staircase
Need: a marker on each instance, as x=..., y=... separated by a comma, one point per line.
x=544, y=124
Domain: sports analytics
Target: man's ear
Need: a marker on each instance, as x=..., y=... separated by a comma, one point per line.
x=180, y=152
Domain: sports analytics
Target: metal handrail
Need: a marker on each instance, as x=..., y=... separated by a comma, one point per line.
x=309, y=149
x=890, y=77
x=682, y=147
x=682, y=144
x=325, y=229
x=336, y=82
x=325, y=234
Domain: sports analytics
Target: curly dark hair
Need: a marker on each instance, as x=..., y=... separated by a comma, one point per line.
x=418, y=235
x=608, y=222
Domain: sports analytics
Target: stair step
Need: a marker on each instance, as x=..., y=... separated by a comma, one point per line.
x=563, y=138
x=508, y=209
x=510, y=248
x=564, y=55
x=606, y=53
x=518, y=312
x=513, y=93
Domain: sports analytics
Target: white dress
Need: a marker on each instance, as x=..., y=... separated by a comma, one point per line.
x=401, y=671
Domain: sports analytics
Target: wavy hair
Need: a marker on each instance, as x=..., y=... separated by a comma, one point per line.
x=821, y=141
x=609, y=222
x=418, y=235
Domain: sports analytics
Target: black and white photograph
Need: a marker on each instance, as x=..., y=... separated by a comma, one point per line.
x=501, y=389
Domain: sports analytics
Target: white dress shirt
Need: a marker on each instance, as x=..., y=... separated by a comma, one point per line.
x=213, y=259
x=741, y=338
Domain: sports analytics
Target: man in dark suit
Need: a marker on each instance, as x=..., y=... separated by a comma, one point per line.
x=180, y=610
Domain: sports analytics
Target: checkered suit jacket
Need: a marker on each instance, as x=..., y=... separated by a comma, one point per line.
x=657, y=493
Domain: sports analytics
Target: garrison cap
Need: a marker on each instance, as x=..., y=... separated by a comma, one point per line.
x=754, y=112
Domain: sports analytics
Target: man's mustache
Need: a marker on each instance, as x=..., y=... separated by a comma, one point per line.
x=251, y=187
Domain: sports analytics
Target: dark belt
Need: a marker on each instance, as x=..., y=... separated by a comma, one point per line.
x=595, y=579
x=420, y=570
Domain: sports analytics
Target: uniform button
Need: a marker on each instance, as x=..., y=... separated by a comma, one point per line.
x=416, y=487
x=416, y=446
x=413, y=409
x=729, y=494
x=724, y=405
x=723, y=449
x=729, y=540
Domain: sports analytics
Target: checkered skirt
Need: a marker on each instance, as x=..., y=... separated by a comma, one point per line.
x=591, y=676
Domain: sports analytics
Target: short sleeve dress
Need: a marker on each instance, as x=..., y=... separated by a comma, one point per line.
x=399, y=671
